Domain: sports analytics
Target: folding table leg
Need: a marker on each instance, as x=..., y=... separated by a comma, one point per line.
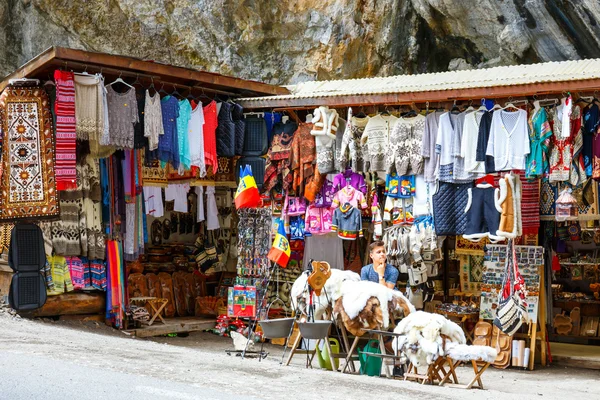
x=478, y=371
x=350, y=352
x=382, y=348
x=294, y=347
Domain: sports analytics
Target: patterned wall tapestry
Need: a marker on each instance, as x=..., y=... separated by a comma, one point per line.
x=530, y=260
x=28, y=184
x=471, y=273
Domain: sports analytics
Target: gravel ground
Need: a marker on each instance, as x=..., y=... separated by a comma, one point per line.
x=109, y=363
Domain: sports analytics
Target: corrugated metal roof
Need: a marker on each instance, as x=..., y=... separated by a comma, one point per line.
x=561, y=71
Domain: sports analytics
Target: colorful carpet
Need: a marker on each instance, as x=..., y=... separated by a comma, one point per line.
x=28, y=184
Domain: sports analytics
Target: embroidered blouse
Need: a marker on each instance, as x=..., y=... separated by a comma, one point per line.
x=153, y=120
x=122, y=115
x=168, y=143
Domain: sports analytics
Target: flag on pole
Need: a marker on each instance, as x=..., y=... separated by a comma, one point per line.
x=280, y=251
x=246, y=195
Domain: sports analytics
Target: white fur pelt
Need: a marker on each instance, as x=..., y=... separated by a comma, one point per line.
x=330, y=293
x=463, y=352
x=356, y=294
x=425, y=335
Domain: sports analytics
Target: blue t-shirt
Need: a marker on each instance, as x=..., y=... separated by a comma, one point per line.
x=368, y=273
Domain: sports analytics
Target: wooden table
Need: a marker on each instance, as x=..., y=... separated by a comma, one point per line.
x=157, y=305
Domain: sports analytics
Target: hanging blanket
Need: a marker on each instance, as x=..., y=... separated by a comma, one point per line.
x=66, y=133
x=28, y=186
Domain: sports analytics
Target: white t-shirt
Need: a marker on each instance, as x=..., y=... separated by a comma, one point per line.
x=178, y=192
x=153, y=201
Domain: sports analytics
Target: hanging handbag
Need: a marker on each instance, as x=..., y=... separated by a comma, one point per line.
x=417, y=274
x=511, y=305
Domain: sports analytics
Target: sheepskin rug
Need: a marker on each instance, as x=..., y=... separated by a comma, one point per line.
x=368, y=305
x=463, y=352
x=425, y=337
x=330, y=293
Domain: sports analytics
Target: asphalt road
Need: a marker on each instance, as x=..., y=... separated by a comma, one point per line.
x=27, y=377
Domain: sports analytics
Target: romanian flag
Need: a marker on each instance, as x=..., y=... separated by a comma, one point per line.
x=247, y=195
x=280, y=251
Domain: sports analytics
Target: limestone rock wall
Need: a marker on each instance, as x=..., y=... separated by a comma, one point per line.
x=291, y=41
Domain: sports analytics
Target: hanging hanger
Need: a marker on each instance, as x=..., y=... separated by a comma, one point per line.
x=162, y=89
x=455, y=109
x=482, y=107
x=175, y=92
x=49, y=81
x=361, y=113
x=119, y=80
x=152, y=86
x=470, y=107
x=511, y=104
x=84, y=73
x=137, y=80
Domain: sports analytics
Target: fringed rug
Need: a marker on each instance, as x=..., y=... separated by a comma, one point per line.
x=28, y=185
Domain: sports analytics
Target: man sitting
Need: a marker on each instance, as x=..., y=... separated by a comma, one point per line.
x=379, y=271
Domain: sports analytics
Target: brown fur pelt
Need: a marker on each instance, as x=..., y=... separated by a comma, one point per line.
x=370, y=317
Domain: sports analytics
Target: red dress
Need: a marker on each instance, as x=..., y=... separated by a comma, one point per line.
x=210, y=139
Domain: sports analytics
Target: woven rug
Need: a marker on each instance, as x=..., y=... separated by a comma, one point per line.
x=66, y=135
x=28, y=185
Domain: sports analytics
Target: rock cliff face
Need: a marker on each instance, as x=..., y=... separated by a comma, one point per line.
x=292, y=41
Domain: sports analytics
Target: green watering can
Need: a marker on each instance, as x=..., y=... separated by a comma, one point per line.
x=323, y=355
x=370, y=365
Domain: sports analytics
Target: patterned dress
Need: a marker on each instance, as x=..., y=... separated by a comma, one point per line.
x=539, y=137
x=561, y=154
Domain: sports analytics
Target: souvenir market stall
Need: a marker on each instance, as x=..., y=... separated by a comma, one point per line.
x=448, y=169
x=128, y=168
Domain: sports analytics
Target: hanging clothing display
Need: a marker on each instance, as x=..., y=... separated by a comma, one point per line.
x=352, y=151
x=277, y=169
x=347, y=222
x=430, y=157
x=122, y=116
x=302, y=157
x=444, y=146
x=66, y=131
x=508, y=140
x=196, y=138
x=28, y=185
x=154, y=201
x=168, y=143
x=325, y=126
x=209, y=132
x=89, y=107
x=327, y=247
x=376, y=137
x=591, y=119
x=469, y=145
x=561, y=153
x=539, y=138
x=178, y=194
x=449, y=203
x=183, y=121
x=403, y=154
x=153, y=120
x=483, y=137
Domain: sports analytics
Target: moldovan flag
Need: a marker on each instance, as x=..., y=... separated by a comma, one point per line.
x=280, y=251
x=247, y=195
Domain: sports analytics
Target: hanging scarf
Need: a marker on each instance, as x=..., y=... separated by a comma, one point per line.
x=64, y=107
